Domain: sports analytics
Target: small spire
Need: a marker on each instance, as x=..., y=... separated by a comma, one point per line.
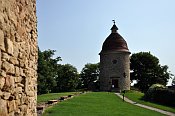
x=114, y=28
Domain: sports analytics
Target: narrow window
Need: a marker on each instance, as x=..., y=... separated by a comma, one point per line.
x=114, y=61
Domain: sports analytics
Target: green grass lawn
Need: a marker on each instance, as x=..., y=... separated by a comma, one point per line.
x=97, y=104
x=137, y=97
x=51, y=96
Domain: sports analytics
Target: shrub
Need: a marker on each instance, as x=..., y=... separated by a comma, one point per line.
x=159, y=94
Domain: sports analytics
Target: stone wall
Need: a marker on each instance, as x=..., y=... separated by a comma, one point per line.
x=115, y=66
x=18, y=58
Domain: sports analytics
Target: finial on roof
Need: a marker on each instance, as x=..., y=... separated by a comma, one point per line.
x=114, y=27
x=113, y=21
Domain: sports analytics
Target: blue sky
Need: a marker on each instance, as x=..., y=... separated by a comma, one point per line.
x=77, y=28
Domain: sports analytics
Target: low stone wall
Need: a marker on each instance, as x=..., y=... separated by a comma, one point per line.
x=18, y=58
x=44, y=105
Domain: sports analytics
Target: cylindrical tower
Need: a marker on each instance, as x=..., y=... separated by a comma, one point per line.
x=114, y=63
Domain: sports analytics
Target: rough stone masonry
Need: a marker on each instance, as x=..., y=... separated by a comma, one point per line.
x=18, y=58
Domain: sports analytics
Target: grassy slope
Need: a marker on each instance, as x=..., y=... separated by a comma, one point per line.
x=50, y=96
x=97, y=104
x=136, y=96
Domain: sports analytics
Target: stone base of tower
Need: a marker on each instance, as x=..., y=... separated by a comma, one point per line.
x=114, y=76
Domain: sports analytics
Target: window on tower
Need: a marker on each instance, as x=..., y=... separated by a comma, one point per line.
x=114, y=61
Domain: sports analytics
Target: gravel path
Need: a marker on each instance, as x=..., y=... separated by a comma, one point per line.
x=147, y=107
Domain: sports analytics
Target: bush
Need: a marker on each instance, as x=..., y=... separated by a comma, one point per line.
x=159, y=94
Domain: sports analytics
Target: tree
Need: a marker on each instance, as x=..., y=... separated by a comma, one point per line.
x=67, y=78
x=89, y=74
x=47, y=66
x=145, y=68
x=173, y=81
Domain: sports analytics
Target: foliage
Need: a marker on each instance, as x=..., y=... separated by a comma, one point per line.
x=54, y=77
x=46, y=71
x=149, y=95
x=137, y=96
x=160, y=94
x=67, y=78
x=90, y=75
x=173, y=82
x=156, y=86
x=147, y=70
x=97, y=104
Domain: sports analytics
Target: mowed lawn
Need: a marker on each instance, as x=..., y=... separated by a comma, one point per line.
x=137, y=97
x=97, y=104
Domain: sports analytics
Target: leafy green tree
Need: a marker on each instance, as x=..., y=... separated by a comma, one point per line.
x=173, y=82
x=67, y=78
x=145, y=68
x=89, y=74
x=47, y=66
